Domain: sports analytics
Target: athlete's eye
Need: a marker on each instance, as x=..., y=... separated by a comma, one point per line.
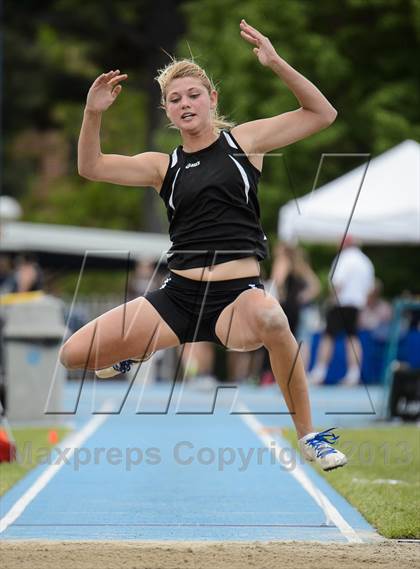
x=195, y=95
x=174, y=100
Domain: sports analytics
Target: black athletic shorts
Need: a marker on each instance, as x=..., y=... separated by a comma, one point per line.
x=191, y=308
x=342, y=319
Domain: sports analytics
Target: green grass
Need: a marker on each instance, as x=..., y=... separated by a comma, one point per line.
x=35, y=439
x=377, y=455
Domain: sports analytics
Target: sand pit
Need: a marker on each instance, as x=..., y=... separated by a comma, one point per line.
x=206, y=555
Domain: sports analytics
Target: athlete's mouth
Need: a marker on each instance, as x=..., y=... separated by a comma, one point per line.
x=187, y=115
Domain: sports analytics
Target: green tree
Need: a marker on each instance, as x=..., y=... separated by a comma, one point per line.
x=53, y=50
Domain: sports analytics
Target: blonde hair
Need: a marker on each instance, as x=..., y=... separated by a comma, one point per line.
x=188, y=68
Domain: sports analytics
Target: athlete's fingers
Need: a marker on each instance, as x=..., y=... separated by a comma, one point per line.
x=117, y=79
x=110, y=74
x=98, y=80
x=252, y=31
x=109, y=78
x=247, y=27
x=249, y=38
x=247, y=30
x=244, y=27
x=251, y=28
x=102, y=79
x=116, y=91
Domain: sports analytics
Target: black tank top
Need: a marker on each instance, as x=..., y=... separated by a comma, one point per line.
x=212, y=206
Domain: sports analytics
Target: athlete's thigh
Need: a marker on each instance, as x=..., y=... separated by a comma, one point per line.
x=127, y=331
x=238, y=324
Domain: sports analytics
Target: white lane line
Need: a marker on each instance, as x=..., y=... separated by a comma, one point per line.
x=330, y=511
x=72, y=443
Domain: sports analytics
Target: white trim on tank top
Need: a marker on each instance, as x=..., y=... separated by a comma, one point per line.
x=174, y=158
x=244, y=176
x=171, y=202
x=230, y=140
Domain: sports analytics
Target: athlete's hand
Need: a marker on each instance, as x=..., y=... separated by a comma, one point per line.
x=104, y=90
x=264, y=50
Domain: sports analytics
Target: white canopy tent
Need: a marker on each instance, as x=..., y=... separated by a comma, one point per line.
x=387, y=209
x=69, y=240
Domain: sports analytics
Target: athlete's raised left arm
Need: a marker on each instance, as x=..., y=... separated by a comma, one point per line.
x=314, y=114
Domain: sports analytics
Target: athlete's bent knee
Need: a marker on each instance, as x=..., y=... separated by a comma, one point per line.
x=272, y=322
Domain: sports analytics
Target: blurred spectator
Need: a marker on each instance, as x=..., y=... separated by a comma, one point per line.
x=414, y=321
x=297, y=286
x=28, y=275
x=411, y=320
x=377, y=314
x=7, y=280
x=352, y=279
x=296, y=282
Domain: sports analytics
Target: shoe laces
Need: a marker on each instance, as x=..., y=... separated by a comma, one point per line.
x=322, y=442
x=124, y=366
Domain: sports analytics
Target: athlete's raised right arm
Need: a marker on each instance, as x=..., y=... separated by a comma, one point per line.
x=145, y=169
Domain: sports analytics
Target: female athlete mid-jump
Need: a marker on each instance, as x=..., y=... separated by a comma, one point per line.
x=209, y=186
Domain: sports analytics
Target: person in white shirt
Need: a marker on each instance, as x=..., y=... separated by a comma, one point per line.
x=352, y=276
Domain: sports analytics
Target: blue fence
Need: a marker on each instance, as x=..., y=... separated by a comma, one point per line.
x=374, y=355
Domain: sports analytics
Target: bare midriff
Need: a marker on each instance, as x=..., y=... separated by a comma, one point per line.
x=237, y=269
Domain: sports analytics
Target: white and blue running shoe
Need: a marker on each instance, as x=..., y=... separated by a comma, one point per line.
x=120, y=367
x=317, y=447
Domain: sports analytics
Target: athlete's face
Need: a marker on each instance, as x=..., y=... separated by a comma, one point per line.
x=189, y=105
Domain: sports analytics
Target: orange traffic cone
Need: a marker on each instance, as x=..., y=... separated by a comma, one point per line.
x=52, y=437
x=7, y=447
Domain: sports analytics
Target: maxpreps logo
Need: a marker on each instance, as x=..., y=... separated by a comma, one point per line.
x=193, y=164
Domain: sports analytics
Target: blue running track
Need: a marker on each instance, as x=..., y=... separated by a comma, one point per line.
x=187, y=474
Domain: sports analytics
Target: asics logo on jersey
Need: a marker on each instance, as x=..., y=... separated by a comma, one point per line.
x=252, y=285
x=193, y=164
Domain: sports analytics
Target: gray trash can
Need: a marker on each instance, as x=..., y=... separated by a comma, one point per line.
x=33, y=333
